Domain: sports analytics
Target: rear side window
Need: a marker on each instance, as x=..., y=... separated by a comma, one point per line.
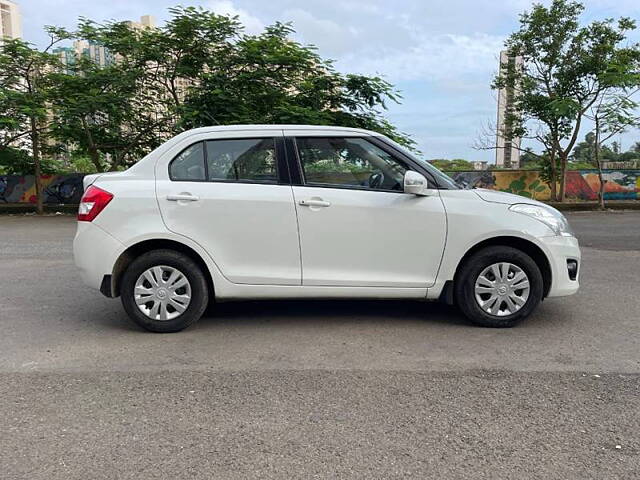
x=189, y=164
x=242, y=160
x=234, y=160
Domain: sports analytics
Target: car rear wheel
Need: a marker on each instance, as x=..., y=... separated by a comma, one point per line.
x=164, y=291
x=498, y=287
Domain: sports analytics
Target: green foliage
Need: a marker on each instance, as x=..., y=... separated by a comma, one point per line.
x=268, y=78
x=457, y=164
x=198, y=69
x=14, y=161
x=103, y=111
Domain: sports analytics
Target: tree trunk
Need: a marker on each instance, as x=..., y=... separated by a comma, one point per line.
x=563, y=176
x=599, y=165
x=554, y=176
x=35, y=146
x=94, y=155
x=117, y=160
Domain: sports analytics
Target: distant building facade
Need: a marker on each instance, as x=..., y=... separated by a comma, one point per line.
x=67, y=57
x=146, y=21
x=10, y=20
x=507, y=146
x=94, y=51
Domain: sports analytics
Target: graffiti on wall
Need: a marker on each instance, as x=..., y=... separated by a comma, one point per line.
x=581, y=184
x=58, y=189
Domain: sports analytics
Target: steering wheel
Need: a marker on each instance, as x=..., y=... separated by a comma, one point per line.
x=376, y=180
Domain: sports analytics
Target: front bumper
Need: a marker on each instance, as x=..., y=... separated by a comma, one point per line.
x=95, y=253
x=559, y=250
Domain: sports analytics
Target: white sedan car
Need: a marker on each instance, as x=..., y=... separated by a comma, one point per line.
x=290, y=211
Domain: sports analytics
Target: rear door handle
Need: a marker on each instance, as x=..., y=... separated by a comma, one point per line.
x=184, y=197
x=314, y=203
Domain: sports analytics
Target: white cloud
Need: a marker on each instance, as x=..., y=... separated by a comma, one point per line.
x=251, y=23
x=333, y=37
x=451, y=59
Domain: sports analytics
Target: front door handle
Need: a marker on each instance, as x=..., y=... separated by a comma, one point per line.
x=314, y=203
x=183, y=197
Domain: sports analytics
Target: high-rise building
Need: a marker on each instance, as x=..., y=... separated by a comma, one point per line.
x=507, y=145
x=66, y=56
x=10, y=20
x=94, y=51
x=146, y=21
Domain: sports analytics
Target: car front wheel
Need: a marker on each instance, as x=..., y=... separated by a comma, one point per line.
x=164, y=291
x=498, y=287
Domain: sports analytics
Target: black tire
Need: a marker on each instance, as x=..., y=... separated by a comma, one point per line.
x=189, y=268
x=464, y=288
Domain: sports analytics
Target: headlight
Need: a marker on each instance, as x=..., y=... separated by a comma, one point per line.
x=547, y=215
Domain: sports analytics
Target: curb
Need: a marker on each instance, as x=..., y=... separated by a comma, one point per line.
x=27, y=208
x=594, y=206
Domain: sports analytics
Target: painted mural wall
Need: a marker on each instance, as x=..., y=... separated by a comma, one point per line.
x=58, y=189
x=581, y=185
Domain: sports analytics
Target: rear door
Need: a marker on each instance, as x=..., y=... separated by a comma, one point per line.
x=357, y=226
x=231, y=194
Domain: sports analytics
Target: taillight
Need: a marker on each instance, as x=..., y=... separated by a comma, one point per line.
x=92, y=203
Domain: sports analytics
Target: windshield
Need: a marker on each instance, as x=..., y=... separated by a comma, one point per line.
x=442, y=178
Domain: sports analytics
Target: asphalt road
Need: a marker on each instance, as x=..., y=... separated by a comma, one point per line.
x=317, y=389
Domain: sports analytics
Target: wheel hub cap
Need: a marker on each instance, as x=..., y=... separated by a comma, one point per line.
x=162, y=293
x=502, y=289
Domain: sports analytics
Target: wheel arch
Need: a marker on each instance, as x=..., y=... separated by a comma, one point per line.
x=137, y=249
x=522, y=244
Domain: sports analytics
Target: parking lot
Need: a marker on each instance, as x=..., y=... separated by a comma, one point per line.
x=317, y=389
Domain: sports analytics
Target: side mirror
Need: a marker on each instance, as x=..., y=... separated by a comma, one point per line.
x=415, y=183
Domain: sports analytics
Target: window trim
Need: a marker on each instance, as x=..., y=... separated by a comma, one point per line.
x=281, y=178
x=303, y=180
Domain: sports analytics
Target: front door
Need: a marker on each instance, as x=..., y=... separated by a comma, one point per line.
x=227, y=194
x=357, y=226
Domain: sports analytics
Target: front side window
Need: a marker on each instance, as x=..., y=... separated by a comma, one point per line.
x=349, y=162
x=189, y=164
x=242, y=160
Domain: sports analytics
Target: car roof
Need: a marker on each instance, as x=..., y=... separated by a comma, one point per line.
x=146, y=164
x=222, y=128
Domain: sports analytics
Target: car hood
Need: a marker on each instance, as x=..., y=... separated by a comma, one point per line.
x=495, y=196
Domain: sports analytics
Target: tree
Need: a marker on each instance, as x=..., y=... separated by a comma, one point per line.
x=615, y=113
x=529, y=160
x=173, y=57
x=199, y=69
x=269, y=78
x=564, y=73
x=23, y=96
x=457, y=164
x=105, y=113
x=584, y=151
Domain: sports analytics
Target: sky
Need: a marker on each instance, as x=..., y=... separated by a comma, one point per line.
x=441, y=54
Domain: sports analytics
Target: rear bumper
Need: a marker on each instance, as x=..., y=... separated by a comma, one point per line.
x=559, y=250
x=95, y=253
